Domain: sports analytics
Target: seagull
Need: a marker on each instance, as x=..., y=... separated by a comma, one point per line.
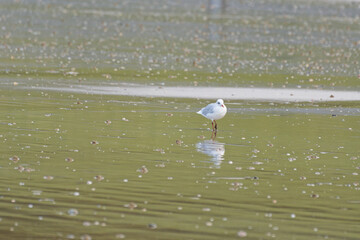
x=214, y=111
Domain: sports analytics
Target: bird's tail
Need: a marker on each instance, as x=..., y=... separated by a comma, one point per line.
x=199, y=112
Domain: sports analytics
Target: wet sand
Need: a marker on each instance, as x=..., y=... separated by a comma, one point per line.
x=255, y=94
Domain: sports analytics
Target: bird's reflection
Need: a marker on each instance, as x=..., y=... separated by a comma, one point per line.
x=214, y=149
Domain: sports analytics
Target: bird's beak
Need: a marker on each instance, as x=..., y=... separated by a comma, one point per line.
x=222, y=105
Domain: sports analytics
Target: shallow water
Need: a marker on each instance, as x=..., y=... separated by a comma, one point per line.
x=140, y=161
x=311, y=44
x=79, y=160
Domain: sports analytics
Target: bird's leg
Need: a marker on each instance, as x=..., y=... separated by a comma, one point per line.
x=215, y=125
x=212, y=124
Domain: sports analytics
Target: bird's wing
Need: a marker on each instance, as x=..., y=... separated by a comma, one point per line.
x=208, y=109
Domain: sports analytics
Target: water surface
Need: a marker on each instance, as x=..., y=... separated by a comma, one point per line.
x=104, y=166
x=81, y=158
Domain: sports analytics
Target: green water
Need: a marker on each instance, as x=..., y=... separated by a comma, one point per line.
x=83, y=166
x=270, y=174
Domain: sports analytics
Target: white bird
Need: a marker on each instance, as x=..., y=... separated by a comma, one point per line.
x=214, y=111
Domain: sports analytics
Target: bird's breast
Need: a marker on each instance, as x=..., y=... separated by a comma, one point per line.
x=219, y=113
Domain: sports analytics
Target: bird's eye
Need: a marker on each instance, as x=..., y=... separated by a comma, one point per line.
x=218, y=102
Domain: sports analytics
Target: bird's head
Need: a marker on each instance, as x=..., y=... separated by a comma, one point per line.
x=220, y=102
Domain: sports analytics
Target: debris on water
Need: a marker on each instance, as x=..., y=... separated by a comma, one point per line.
x=99, y=178
x=73, y=212
x=36, y=192
x=312, y=157
x=70, y=236
x=85, y=237
x=315, y=195
x=161, y=165
x=86, y=224
x=131, y=205
x=143, y=170
x=107, y=76
x=20, y=168
x=293, y=215
x=120, y=236
x=159, y=150
x=107, y=122
x=69, y=159
x=236, y=186
x=15, y=83
x=48, y=177
x=201, y=137
x=14, y=158
x=152, y=225
x=179, y=142
x=125, y=119
x=94, y=142
x=208, y=223
x=169, y=114
x=241, y=233
x=256, y=151
x=71, y=73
